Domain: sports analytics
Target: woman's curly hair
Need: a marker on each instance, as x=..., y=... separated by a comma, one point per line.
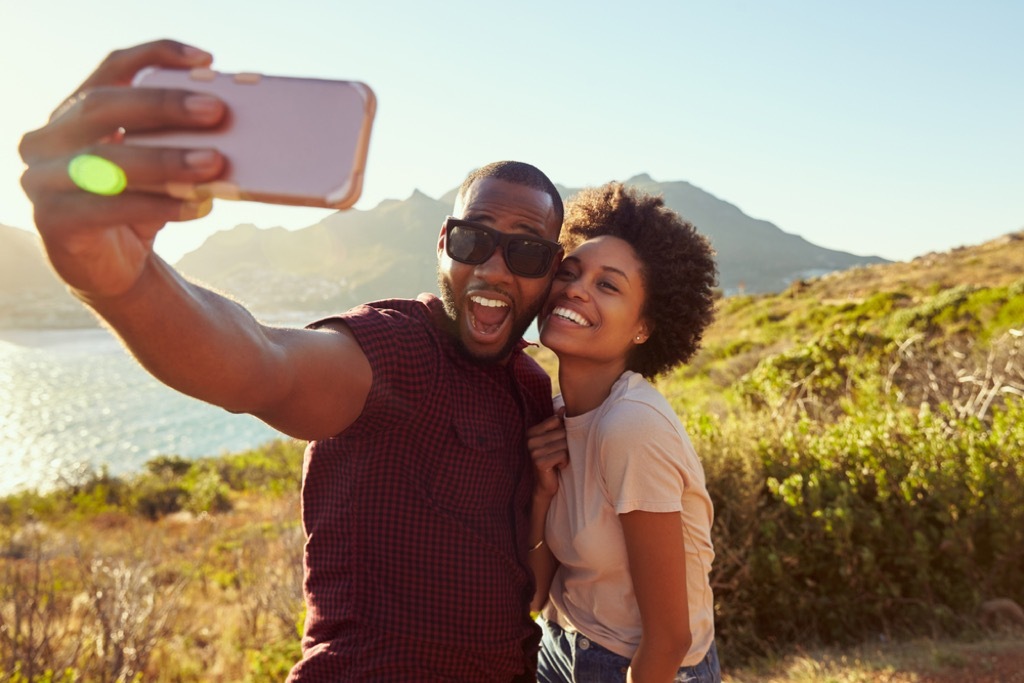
x=677, y=263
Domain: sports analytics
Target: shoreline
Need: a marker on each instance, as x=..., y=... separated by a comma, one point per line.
x=76, y=401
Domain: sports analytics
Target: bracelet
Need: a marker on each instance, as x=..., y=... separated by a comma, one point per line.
x=536, y=547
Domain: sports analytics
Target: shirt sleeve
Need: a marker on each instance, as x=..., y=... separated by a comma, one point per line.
x=404, y=355
x=641, y=459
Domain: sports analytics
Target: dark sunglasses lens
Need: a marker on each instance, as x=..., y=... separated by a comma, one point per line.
x=469, y=245
x=524, y=257
x=528, y=258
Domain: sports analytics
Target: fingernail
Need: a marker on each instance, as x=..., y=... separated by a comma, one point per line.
x=202, y=106
x=192, y=210
x=181, y=190
x=200, y=158
x=193, y=55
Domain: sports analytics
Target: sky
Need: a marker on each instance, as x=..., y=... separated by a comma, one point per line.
x=873, y=127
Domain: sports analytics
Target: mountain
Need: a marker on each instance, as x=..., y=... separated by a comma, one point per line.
x=753, y=255
x=389, y=251
x=348, y=258
x=30, y=294
x=22, y=266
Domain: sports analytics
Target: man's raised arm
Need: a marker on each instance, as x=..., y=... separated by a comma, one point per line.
x=309, y=384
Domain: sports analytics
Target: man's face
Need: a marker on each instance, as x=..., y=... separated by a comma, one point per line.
x=489, y=307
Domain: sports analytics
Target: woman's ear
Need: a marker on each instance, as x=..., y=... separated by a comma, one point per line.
x=642, y=334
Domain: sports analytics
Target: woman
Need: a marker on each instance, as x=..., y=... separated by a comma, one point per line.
x=621, y=528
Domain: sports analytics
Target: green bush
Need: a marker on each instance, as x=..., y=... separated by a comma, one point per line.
x=812, y=378
x=843, y=513
x=272, y=663
x=207, y=493
x=928, y=315
x=169, y=466
x=274, y=468
x=153, y=497
x=99, y=493
x=18, y=675
x=838, y=533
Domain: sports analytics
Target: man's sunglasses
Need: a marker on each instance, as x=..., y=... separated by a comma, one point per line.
x=474, y=243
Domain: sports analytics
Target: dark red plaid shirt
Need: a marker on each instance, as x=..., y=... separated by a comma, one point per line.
x=416, y=516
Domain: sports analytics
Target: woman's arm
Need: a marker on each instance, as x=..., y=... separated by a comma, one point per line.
x=657, y=561
x=540, y=558
x=549, y=451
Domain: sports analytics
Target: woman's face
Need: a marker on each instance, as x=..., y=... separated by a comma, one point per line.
x=594, y=310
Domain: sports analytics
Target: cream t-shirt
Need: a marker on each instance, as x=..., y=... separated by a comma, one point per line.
x=630, y=453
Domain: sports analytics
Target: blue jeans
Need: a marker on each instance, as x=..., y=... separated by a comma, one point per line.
x=572, y=657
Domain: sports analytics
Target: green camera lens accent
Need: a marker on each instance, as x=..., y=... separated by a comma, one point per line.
x=97, y=175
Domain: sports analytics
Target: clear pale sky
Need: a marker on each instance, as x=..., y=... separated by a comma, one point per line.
x=878, y=128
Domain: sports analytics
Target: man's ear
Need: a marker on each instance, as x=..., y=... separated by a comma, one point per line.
x=440, y=241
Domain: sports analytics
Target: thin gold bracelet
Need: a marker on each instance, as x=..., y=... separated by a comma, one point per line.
x=536, y=547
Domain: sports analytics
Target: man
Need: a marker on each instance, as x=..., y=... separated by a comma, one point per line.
x=416, y=482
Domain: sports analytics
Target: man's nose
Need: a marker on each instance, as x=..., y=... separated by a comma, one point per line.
x=494, y=269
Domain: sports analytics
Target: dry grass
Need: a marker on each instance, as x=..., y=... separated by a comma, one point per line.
x=225, y=586
x=996, y=660
x=183, y=598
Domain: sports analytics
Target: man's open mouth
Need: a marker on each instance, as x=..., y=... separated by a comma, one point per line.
x=487, y=315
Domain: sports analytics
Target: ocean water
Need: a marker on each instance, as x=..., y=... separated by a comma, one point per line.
x=72, y=401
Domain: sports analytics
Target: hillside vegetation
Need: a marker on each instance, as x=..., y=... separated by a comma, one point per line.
x=862, y=434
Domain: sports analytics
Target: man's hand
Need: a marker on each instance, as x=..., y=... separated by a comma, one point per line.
x=101, y=245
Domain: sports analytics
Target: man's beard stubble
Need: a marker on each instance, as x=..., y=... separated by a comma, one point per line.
x=453, y=314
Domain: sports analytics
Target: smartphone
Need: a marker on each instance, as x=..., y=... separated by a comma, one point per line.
x=296, y=141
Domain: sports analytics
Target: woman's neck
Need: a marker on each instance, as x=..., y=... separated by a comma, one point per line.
x=585, y=385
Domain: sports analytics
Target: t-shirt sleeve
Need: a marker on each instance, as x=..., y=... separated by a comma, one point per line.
x=641, y=459
x=403, y=353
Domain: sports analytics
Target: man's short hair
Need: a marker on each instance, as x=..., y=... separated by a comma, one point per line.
x=520, y=173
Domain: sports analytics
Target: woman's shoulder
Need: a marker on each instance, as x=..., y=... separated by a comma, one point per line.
x=635, y=404
x=632, y=392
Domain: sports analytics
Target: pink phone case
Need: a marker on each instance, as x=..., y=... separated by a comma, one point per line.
x=298, y=141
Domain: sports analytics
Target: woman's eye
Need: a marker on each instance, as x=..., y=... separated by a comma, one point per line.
x=608, y=285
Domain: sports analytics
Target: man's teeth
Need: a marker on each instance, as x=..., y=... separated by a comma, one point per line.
x=572, y=316
x=490, y=303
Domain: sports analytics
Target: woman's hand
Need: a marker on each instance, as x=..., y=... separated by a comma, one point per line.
x=549, y=451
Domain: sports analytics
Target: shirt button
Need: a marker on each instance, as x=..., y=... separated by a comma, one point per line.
x=583, y=643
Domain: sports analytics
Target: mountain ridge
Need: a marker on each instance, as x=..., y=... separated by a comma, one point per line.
x=396, y=244
x=389, y=251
